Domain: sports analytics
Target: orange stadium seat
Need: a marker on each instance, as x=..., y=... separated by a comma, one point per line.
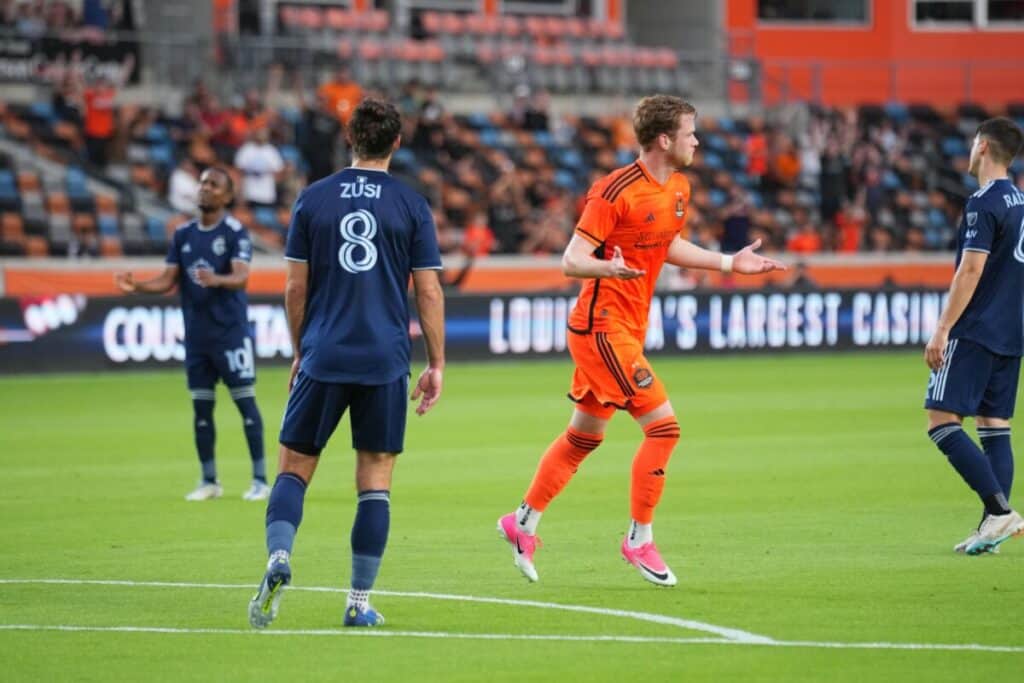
x=36, y=246
x=28, y=181
x=110, y=246
x=106, y=203
x=58, y=203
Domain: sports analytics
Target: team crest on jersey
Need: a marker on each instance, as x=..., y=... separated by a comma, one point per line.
x=643, y=377
x=972, y=218
x=680, y=209
x=219, y=247
x=193, y=270
x=187, y=249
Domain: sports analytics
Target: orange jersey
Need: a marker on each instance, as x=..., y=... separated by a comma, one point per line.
x=628, y=209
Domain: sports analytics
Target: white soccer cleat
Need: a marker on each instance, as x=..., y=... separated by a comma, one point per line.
x=994, y=530
x=205, y=491
x=258, y=491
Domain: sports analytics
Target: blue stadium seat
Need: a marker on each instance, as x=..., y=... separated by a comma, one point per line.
x=42, y=110
x=75, y=183
x=713, y=160
x=292, y=155
x=897, y=112
x=157, y=133
x=162, y=155
x=625, y=156
x=544, y=139
x=565, y=180
x=727, y=124
x=155, y=230
x=405, y=159
x=490, y=137
x=108, y=225
x=891, y=181
x=267, y=217
x=571, y=159
x=478, y=120
x=715, y=142
x=718, y=197
x=954, y=147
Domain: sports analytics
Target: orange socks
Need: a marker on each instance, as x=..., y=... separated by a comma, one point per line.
x=660, y=437
x=559, y=463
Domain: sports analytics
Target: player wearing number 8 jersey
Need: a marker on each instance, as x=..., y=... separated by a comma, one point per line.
x=354, y=239
x=633, y=223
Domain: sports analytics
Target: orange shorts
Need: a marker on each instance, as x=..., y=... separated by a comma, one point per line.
x=612, y=373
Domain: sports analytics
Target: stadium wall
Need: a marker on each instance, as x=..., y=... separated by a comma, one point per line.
x=79, y=333
x=886, y=59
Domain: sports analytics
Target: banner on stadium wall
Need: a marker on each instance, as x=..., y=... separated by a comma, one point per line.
x=68, y=332
x=25, y=60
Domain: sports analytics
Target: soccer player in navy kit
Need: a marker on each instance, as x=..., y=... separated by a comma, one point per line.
x=354, y=239
x=975, y=352
x=208, y=259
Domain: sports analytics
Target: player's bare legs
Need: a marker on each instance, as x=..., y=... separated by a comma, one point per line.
x=284, y=514
x=369, y=534
x=557, y=466
x=661, y=434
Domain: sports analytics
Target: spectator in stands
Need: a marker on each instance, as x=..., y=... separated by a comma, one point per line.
x=342, y=93
x=914, y=240
x=756, y=149
x=849, y=222
x=832, y=185
x=67, y=99
x=183, y=187
x=320, y=134
x=783, y=164
x=805, y=237
x=736, y=222
x=30, y=20
x=260, y=164
x=478, y=239
x=99, y=120
x=880, y=239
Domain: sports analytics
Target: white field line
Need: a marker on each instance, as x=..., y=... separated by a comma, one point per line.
x=736, y=639
x=724, y=632
x=380, y=633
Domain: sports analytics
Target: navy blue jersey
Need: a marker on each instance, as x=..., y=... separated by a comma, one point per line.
x=993, y=223
x=212, y=314
x=362, y=233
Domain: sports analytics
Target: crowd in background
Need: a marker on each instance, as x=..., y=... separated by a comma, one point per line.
x=67, y=19
x=514, y=181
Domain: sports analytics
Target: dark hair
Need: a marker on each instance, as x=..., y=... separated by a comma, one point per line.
x=373, y=129
x=1004, y=139
x=658, y=114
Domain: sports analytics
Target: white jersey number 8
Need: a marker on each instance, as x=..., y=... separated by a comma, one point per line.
x=358, y=237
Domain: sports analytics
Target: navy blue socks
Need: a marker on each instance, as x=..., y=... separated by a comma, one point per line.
x=369, y=536
x=996, y=442
x=253, y=425
x=284, y=512
x=972, y=465
x=206, y=435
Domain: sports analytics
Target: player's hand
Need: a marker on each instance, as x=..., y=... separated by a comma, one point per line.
x=206, y=277
x=125, y=282
x=620, y=270
x=746, y=262
x=295, y=371
x=427, y=390
x=935, y=351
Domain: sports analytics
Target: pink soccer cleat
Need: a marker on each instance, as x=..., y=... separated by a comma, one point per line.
x=523, y=545
x=648, y=560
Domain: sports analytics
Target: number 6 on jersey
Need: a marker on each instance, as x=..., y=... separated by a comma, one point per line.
x=353, y=239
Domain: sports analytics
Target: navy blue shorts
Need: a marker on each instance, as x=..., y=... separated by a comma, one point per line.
x=974, y=381
x=376, y=413
x=233, y=362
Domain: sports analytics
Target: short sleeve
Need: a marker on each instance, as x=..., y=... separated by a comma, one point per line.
x=296, y=246
x=243, y=247
x=598, y=220
x=173, y=254
x=979, y=227
x=425, y=253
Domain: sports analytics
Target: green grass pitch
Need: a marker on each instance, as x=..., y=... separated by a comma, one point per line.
x=805, y=509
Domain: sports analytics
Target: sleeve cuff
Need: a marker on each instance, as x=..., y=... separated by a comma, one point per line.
x=589, y=237
x=429, y=268
x=978, y=249
x=297, y=260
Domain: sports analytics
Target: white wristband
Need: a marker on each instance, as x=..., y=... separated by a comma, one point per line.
x=726, y=266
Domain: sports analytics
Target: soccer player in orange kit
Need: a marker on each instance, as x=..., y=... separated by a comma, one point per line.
x=633, y=222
